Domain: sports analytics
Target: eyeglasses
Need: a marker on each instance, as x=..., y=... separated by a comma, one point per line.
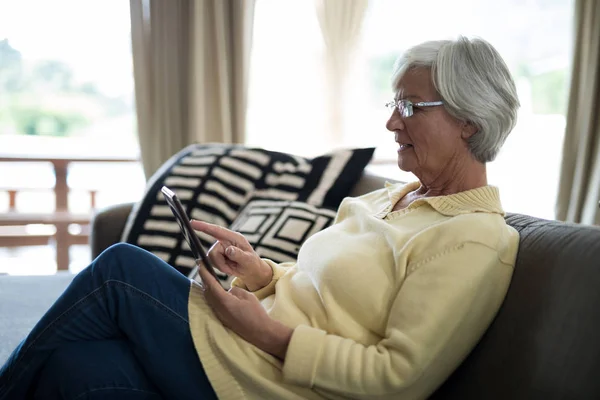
x=405, y=107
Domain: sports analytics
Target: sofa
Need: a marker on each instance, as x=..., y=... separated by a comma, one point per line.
x=544, y=342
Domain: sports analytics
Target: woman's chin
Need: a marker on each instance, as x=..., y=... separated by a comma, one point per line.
x=404, y=164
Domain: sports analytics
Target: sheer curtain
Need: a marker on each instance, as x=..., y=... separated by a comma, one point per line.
x=341, y=24
x=191, y=72
x=579, y=190
x=535, y=39
x=290, y=107
x=160, y=47
x=221, y=42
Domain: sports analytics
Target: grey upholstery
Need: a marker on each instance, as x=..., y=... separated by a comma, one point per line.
x=544, y=342
x=107, y=227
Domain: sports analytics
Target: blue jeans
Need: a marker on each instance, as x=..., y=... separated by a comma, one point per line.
x=119, y=331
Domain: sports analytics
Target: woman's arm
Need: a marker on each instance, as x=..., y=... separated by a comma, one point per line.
x=278, y=271
x=440, y=312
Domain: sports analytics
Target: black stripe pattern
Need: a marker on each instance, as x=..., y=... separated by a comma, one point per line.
x=277, y=228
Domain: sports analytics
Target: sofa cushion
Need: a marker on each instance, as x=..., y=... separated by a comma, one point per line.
x=543, y=343
x=214, y=181
x=277, y=228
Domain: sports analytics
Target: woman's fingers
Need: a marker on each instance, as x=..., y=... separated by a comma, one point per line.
x=237, y=255
x=240, y=293
x=231, y=253
x=220, y=260
x=210, y=283
x=216, y=231
x=220, y=233
x=215, y=253
x=219, y=300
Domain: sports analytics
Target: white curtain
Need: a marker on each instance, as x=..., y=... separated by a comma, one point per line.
x=579, y=190
x=190, y=62
x=222, y=39
x=160, y=46
x=341, y=24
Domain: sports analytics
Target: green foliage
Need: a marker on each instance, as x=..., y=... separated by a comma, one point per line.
x=10, y=68
x=549, y=92
x=381, y=70
x=522, y=71
x=54, y=75
x=44, y=99
x=37, y=121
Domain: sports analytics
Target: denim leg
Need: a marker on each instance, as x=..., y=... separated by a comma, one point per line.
x=94, y=370
x=128, y=294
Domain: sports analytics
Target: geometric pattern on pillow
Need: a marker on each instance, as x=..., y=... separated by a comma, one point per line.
x=215, y=181
x=277, y=228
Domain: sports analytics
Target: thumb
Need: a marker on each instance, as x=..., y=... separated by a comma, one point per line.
x=236, y=254
x=239, y=292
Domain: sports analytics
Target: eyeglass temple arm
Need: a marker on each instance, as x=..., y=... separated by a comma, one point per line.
x=428, y=103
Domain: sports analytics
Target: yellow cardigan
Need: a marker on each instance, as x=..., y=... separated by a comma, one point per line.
x=384, y=305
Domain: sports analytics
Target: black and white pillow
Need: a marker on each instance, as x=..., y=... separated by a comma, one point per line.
x=277, y=228
x=214, y=182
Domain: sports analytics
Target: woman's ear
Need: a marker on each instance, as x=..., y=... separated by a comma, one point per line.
x=468, y=130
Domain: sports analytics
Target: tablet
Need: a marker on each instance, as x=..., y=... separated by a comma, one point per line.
x=186, y=229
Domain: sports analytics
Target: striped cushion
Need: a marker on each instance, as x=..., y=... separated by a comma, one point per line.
x=214, y=182
x=277, y=228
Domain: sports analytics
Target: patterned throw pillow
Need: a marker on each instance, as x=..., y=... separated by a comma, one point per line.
x=277, y=228
x=214, y=182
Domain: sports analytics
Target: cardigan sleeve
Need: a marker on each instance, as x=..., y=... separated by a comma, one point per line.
x=278, y=271
x=441, y=310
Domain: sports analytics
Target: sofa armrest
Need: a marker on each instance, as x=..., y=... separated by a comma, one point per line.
x=107, y=227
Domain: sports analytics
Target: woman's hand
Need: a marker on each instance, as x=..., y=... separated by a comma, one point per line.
x=241, y=312
x=233, y=255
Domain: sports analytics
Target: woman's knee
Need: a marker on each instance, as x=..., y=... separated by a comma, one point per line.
x=127, y=263
x=114, y=259
x=121, y=250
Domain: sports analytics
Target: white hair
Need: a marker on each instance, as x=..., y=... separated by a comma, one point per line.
x=475, y=85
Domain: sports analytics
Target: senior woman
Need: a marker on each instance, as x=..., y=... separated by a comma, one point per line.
x=384, y=304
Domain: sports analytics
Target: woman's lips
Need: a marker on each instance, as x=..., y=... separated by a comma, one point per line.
x=404, y=147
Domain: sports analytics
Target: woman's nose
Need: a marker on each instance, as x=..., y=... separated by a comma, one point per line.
x=395, y=122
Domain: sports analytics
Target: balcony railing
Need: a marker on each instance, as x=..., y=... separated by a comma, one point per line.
x=14, y=223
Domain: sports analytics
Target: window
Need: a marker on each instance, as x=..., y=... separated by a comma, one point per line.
x=285, y=98
x=534, y=38
x=66, y=90
x=66, y=72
